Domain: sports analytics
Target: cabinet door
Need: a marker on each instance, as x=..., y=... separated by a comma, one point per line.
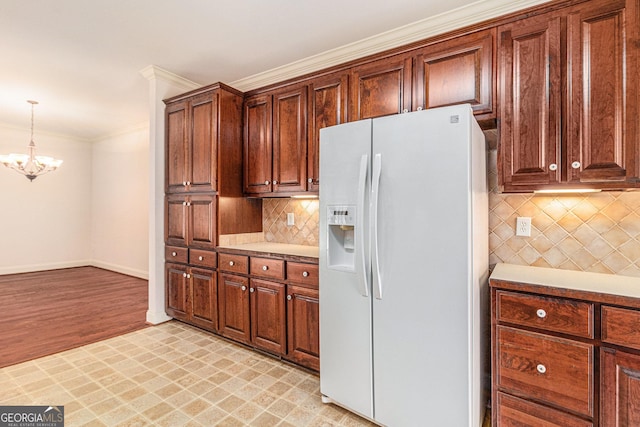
x=233, y=305
x=204, y=298
x=602, y=137
x=177, y=142
x=620, y=388
x=202, y=221
x=327, y=107
x=203, y=149
x=303, y=326
x=457, y=71
x=380, y=88
x=290, y=140
x=530, y=102
x=176, y=220
x=268, y=316
x=176, y=290
x=257, y=145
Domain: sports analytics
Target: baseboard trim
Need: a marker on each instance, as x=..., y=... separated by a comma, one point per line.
x=71, y=264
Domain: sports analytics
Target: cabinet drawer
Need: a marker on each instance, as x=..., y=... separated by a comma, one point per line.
x=306, y=274
x=267, y=267
x=233, y=263
x=552, y=314
x=176, y=254
x=202, y=258
x=621, y=326
x=516, y=412
x=545, y=368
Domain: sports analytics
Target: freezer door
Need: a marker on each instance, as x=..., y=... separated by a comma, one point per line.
x=345, y=304
x=421, y=233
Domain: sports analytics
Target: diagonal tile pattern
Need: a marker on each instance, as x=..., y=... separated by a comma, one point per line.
x=307, y=221
x=171, y=375
x=598, y=232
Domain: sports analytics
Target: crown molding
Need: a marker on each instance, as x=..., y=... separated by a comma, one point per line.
x=153, y=72
x=439, y=24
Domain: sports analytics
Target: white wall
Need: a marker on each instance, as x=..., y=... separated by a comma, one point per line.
x=120, y=203
x=46, y=223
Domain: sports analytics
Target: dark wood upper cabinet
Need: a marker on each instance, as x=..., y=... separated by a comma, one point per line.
x=204, y=141
x=275, y=142
x=258, y=151
x=190, y=220
x=456, y=71
x=177, y=147
x=602, y=134
x=328, y=96
x=381, y=87
x=530, y=101
x=568, y=85
x=290, y=140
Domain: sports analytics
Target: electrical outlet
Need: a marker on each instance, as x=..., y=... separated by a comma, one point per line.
x=290, y=219
x=523, y=226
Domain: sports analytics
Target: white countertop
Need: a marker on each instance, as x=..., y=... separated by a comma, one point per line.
x=277, y=248
x=575, y=280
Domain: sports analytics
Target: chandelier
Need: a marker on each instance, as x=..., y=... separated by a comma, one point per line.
x=29, y=164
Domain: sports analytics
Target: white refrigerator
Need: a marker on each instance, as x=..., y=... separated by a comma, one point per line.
x=404, y=267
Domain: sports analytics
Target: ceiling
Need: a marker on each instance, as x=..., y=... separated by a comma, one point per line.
x=82, y=59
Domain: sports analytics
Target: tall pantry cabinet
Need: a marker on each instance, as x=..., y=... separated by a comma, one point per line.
x=203, y=187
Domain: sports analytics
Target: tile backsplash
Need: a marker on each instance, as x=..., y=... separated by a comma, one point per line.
x=307, y=222
x=599, y=232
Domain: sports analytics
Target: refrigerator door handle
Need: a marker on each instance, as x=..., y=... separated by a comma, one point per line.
x=362, y=182
x=375, y=197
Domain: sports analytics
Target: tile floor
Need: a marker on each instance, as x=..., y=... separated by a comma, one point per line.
x=171, y=375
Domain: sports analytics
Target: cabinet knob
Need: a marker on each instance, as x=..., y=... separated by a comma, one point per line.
x=275, y=182
x=174, y=253
x=310, y=180
x=266, y=183
x=252, y=290
x=575, y=165
x=188, y=182
x=184, y=274
x=184, y=183
x=244, y=288
x=188, y=276
x=265, y=268
x=231, y=263
x=405, y=111
x=553, y=167
x=419, y=108
x=541, y=313
x=305, y=274
x=541, y=368
x=200, y=258
x=288, y=297
x=184, y=203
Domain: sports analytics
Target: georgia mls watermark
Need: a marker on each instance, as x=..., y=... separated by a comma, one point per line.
x=31, y=416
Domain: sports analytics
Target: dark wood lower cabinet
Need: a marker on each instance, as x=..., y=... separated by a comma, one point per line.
x=268, y=316
x=191, y=295
x=233, y=307
x=620, y=393
x=563, y=356
x=303, y=334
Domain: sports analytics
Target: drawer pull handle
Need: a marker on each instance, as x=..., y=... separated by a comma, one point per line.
x=265, y=268
x=541, y=313
x=231, y=263
x=200, y=258
x=305, y=274
x=174, y=253
x=541, y=368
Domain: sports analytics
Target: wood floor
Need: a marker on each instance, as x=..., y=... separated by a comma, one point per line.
x=47, y=312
